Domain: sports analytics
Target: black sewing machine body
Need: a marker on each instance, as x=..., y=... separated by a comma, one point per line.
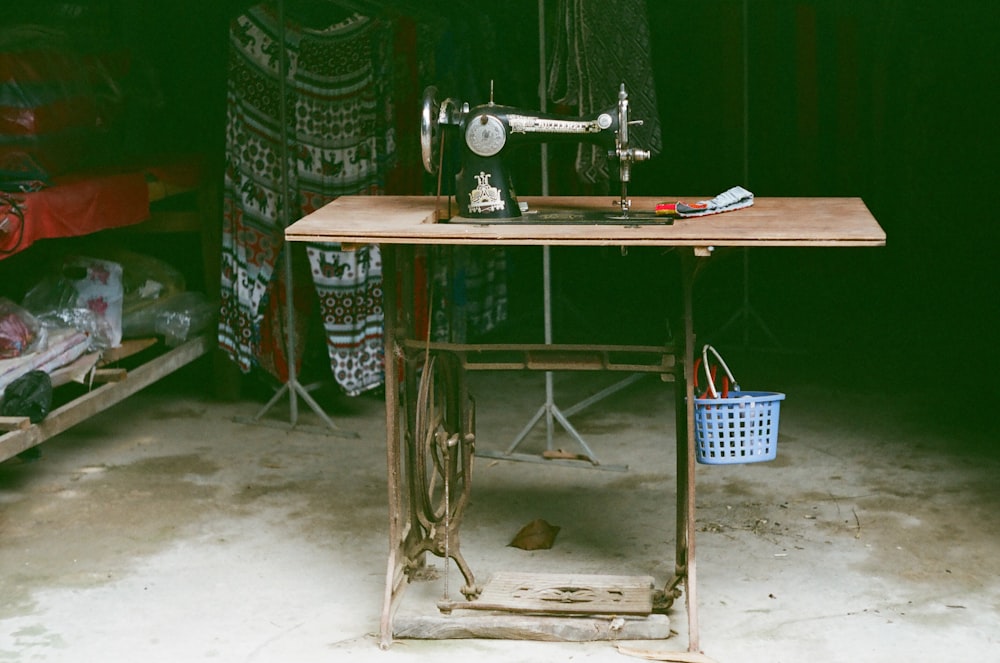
x=488, y=132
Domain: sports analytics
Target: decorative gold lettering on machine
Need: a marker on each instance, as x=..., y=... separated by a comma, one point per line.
x=430, y=417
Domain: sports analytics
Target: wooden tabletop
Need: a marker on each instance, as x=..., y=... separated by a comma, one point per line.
x=769, y=222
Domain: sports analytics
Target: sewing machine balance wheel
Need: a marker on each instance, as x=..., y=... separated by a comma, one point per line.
x=429, y=138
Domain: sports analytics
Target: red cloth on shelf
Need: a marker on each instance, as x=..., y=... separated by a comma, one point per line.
x=78, y=205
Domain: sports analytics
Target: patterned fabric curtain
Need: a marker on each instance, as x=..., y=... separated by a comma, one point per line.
x=349, y=284
x=340, y=141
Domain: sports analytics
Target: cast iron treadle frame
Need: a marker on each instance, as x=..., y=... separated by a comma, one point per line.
x=437, y=432
x=440, y=464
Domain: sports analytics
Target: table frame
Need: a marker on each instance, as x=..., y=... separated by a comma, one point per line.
x=401, y=223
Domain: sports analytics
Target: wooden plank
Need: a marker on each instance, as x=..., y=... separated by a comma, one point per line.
x=75, y=371
x=534, y=627
x=128, y=347
x=470, y=348
x=14, y=423
x=565, y=593
x=103, y=397
x=554, y=357
x=554, y=360
x=110, y=375
x=769, y=222
x=172, y=221
x=162, y=189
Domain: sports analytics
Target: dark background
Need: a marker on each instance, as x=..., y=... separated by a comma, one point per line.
x=891, y=101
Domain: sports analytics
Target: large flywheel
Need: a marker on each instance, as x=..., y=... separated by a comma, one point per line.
x=441, y=466
x=443, y=449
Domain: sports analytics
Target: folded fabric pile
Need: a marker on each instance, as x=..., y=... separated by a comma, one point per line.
x=62, y=347
x=733, y=199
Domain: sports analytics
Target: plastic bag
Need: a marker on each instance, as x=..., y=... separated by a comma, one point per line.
x=82, y=320
x=19, y=330
x=50, y=114
x=98, y=284
x=190, y=314
x=176, y=318
x=57, y=103
x=28, y=396
x=146, y=280
x=87, y=295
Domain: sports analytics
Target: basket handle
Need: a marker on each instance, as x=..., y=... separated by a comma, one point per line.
x=710, y=374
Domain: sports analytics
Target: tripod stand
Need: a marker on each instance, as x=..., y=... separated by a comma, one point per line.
x=550, y=412
x=746, y=314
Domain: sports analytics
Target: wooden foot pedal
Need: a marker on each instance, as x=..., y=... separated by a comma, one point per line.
x=563, y=594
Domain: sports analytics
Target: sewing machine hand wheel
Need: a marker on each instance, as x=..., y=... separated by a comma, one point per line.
x=429, y=140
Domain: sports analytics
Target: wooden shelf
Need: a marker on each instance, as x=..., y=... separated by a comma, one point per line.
x=124, y=383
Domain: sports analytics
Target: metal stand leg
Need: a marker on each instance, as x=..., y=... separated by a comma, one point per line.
x=399, y=520
x=549, y=410
x=746, y=314
x=684, y=560
x=293, y=388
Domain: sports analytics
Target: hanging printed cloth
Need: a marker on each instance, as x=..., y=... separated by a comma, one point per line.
x=341, y=141
x=349, y=284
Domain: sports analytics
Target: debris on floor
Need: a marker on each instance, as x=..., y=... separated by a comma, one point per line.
x=536, y=535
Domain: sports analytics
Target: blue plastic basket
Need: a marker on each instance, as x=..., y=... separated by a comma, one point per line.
x=737, y=427
x=741, y=428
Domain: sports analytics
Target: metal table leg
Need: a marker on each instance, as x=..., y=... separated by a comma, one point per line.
x=684, y=564
x=395, y=580
x=686, y=459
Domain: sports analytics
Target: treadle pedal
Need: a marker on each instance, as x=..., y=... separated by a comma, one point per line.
x=564, y=594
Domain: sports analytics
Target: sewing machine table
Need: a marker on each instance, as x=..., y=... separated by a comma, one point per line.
x=400, y=223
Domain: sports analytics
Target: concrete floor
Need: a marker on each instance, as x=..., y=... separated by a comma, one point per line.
x=163, y=531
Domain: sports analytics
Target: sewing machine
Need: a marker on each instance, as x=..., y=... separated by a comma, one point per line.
x=483, y=185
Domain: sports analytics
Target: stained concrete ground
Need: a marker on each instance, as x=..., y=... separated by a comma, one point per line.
x=162, y=530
